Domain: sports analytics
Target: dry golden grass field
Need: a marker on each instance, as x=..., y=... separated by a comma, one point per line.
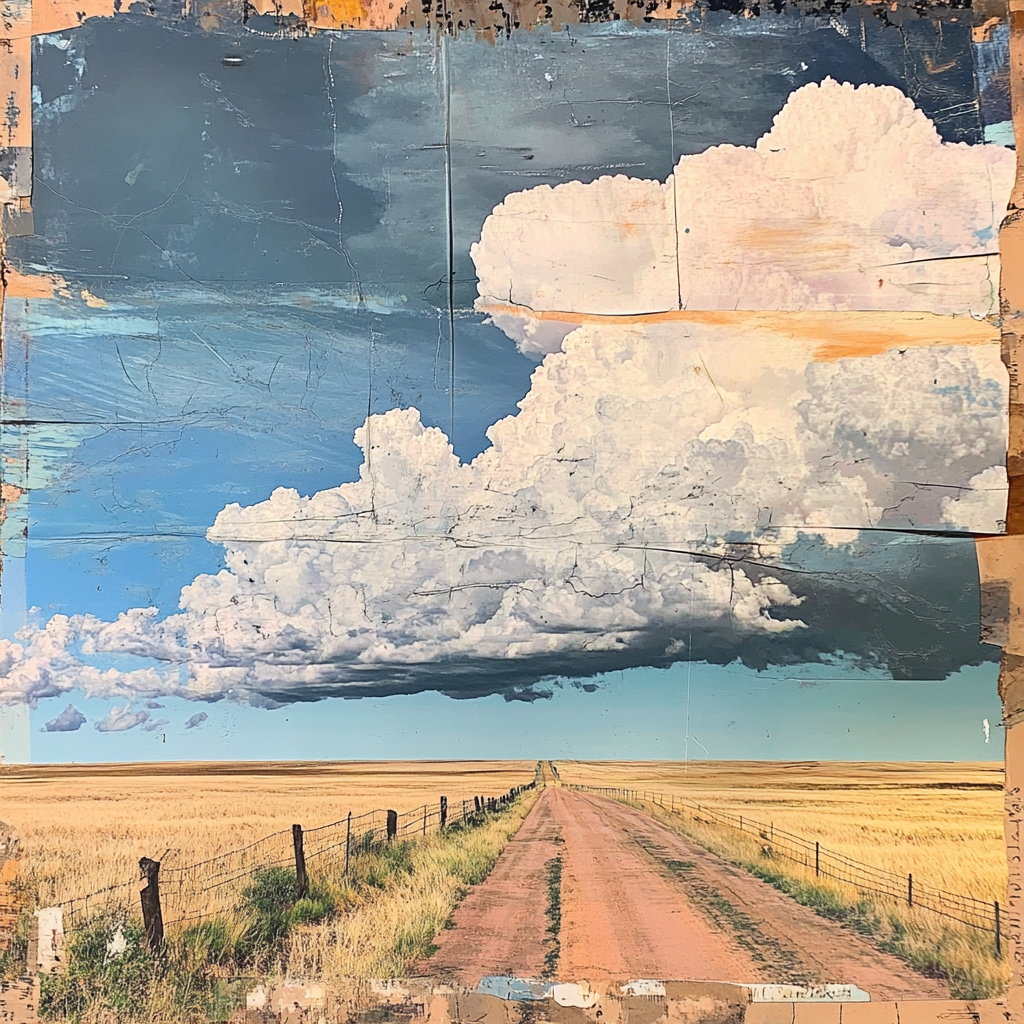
x=83, y=827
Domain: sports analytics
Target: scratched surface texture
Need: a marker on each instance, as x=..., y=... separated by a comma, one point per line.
x=656, y=340
x=659, y=338
x=377, y=350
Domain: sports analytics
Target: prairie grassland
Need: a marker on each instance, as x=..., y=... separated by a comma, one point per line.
x=373, y=923
x=381, y=938
x=84, y=827
x=941, y=822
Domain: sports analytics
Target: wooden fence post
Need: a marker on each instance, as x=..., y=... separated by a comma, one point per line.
x=348, y=840
x=817, y=858
x=392, y=824
x=910, y=890
x=999, y=936
x=425, y=819
x=149, y=892
x=301, y=878
x=444, y=811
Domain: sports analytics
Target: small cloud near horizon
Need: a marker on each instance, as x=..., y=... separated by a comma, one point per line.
x=121, y=719
x=69, y=720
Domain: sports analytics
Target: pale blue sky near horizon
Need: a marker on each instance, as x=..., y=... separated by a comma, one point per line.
x=794, y=714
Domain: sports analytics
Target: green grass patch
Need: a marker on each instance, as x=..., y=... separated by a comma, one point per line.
x=553, y=871
x=188, y=980
x=273, y=904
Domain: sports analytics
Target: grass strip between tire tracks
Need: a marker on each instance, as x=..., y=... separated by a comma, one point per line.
x=553, y=871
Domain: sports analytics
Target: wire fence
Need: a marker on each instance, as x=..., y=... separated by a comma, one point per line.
x=776, y=843
x=211, y=887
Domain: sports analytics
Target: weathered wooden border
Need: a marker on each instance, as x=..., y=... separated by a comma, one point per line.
x=1001, y=559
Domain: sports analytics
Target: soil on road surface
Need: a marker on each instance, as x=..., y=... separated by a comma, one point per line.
x=501, y=926
x=624, y=916
x=640, y=901
x=787, y=942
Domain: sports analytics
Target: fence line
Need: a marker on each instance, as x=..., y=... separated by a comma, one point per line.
x=981, y=915
x=185, y=893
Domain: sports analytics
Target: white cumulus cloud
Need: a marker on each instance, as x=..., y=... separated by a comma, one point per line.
x=121, y=719
x=981, y=505
x=851, y=202
x=69, y=720
x=601, y=527
x=574, y=534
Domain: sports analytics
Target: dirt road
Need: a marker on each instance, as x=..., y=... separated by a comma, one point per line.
x=640, y=901
x=501, y=926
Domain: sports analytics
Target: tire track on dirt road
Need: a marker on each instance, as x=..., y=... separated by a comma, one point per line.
x=789, y=941
x=622, y=917
x=638, y=900
x=501, y=925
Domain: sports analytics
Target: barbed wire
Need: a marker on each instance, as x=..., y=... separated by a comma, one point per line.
x=188, y=890
x=982, y=915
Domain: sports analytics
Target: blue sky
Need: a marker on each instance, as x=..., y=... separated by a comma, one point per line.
x=798, y=715
x=245, y=336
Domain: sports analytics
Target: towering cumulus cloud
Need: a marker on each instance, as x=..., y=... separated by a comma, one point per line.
x=851, y=202
x=765, y=354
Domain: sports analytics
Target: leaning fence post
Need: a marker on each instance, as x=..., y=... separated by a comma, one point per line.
x=301, y=878
x=348, y=839
x=425, y=819
x=817, y=858
x=444, y=811
x=149, y=892
x=910, y=890
x=392, y=824
x=999, y=937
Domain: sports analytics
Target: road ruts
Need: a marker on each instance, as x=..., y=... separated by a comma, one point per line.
x=640, y=901
x=501, y=926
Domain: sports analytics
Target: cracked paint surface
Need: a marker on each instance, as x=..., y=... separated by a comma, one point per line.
x=731, y=412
